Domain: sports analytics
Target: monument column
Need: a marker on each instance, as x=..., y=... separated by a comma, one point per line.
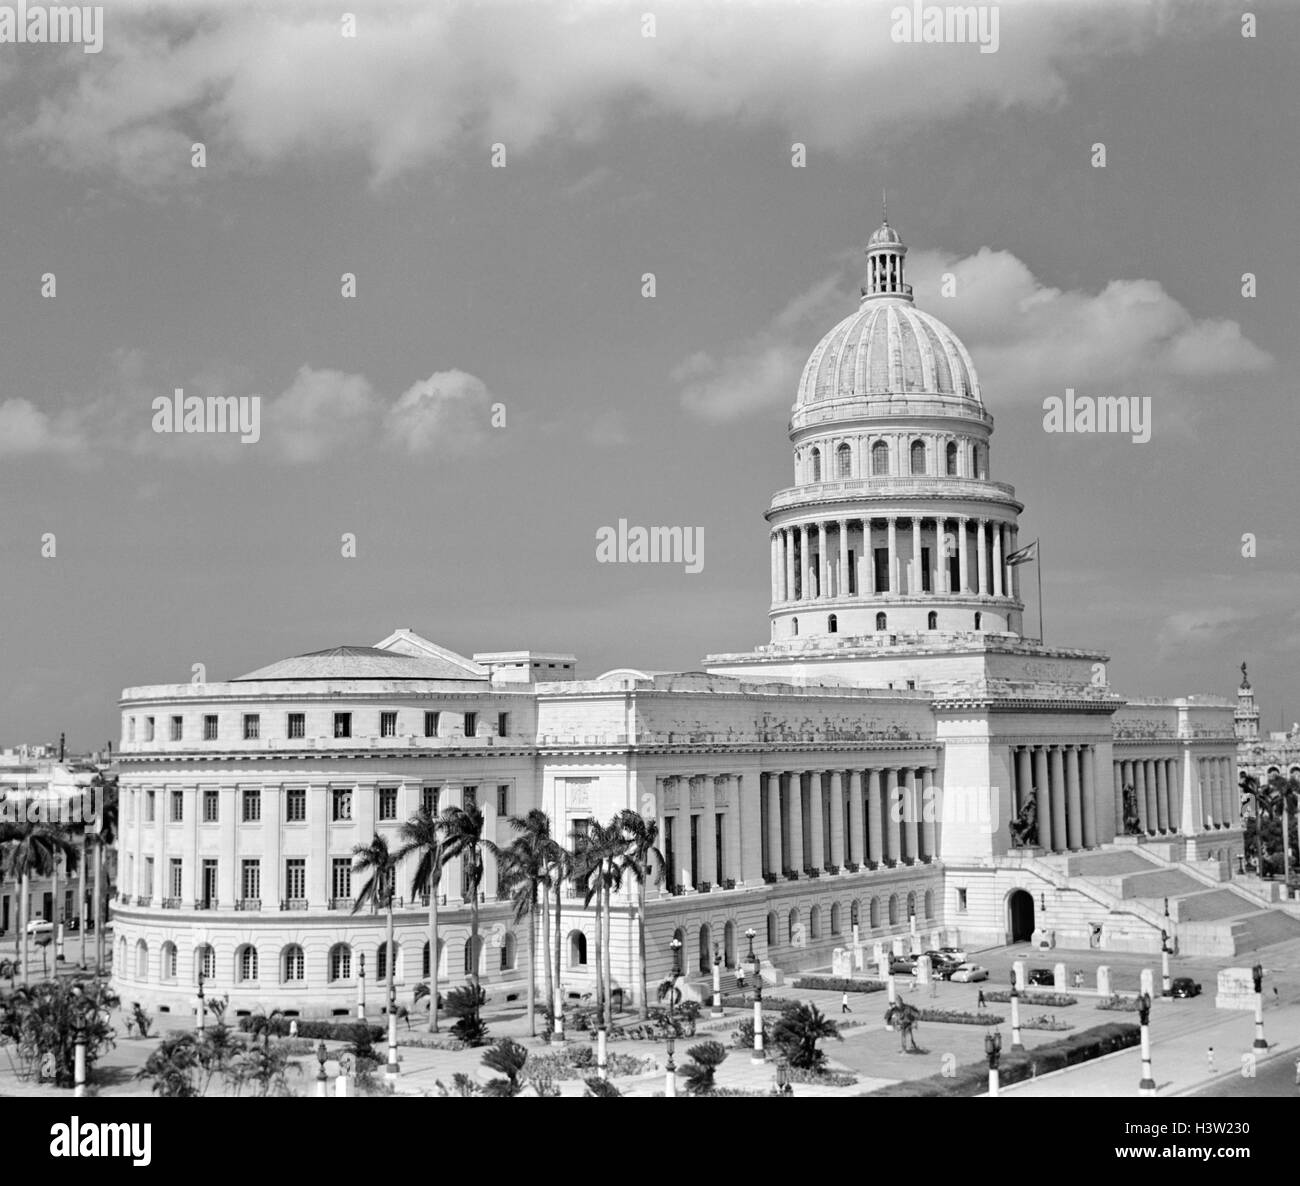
x=790, y=583
x=875, y=827
x=1056, y=777
x=776, y=562
x=1043, y=797
x=945, y=570
x=816, y=821
x=837, y=819
x=1153, y=815
x=1089, y=756
x=1074, y=801
x=867, y=561
x=857, y=848
x=916, y=573
x=707, y=837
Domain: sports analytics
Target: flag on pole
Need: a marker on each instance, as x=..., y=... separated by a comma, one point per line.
x=1024, y=555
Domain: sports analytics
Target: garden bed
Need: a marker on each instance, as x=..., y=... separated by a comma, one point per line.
x=839, y=984
x=956, y=1017
x=1053, y=1000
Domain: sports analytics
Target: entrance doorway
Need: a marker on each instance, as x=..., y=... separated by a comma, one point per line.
x=1020, y=908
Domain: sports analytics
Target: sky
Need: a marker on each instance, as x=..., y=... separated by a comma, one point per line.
x=500, y=180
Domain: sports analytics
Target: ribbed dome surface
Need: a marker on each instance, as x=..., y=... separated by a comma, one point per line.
x=359, y=663
x=888, y=347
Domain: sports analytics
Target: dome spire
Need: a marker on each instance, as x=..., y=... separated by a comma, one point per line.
x=885, y=252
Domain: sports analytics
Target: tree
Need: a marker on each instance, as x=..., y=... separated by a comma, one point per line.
x=43, y=1021
x=102, y=839
x=422, y=835
x=175, y=1067
x=644, y=862
x=462, y=831
x=377, y=892
x=705, y=1059
x=562, y=866
x=599, y=857
x=904, y=1017
x=797, y=1032
x=465, y=1004
x=526, y=877
x=507, y=1057
x=33, y=849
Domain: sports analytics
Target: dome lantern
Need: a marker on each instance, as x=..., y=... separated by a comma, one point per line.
x=885, y=253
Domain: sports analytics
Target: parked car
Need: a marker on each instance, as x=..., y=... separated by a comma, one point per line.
x=1184, y=987
x=1042, y=976
x=968, y=973
x=39, y=926
x=903, y=964
x=940, y=965
x=956, y=954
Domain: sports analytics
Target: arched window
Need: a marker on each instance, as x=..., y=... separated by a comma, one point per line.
x=978, y=619
x=918, y=457
x=929, y=903
x=381, y=961
x=473, y=954
x=932, y=620
x=508, y=952
x=844, y=461
x=205, y=962
x=142, y=960
x=893, y=910
x=340, y=963
x=794, y=625
x=835, y=918
x=792, y=926
x=706, y=953
x=815, y=922
x=911, y=906
x=577, y=949
x=880, y=458
x=816, y=465
x=729, y=945
x=168, y=969
x=425, y=958
x=855, y=914
x=950, y=459
x=832, y=625
x=294, y=965
x=874, y=913
x=771, y=930
x=246, y=964
x=880, y=621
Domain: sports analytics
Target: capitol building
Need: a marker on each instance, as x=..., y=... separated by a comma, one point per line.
x=897, y=760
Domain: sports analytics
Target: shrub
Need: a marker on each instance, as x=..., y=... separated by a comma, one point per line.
x=508, y=1057
x=601, y=1087
x=839, y=984
x=822, y=1077
x=464, y=1005
x=743, y=1038
x=1045, y=1022
x=776, y=1004
x=1053, y=1000
x=797, y=1032
x=705, y=1060
x=1119, y=1004
x=316, y=1031
x=41, y=1020
x=956, y=1017
x=577, y=1062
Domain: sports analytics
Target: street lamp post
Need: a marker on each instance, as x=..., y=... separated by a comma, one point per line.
x=1258, y=973
x=717, y=982
x=1148, y=1084
x=1166, y=984
x=670, y=1083
x=322, y=1089
x=758, y=1055
x=390, y=1071
x=993, y=1050
x=1016, y=1043
x=783, y=1078
x=361, y=988
x=79, y=1037
x=203, y=1005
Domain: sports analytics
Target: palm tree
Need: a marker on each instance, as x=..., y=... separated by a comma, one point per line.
x=103, y=838
x=462, y=831
x=35, y=849
x=643, y=861
x=525, y=876
x=1285, y=792
x=421, y=834
x=1261, y=795
x=599, y=859
x=562, y=866
x=376, y=859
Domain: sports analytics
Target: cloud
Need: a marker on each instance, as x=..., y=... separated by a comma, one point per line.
x=1199, y=628
x=319, y=414
x=265, y=85
x=25, y=430
x=447, y=413
x=608, y=430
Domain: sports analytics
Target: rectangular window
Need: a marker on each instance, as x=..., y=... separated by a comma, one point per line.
x=342, y=805
x=961, y=899
x=150, y=806
x=387, y=803
x=503, y=724
x=431, y=724
x=295, y=805
x=252, y=810
x=250, y=879
x=148, y=728
x=388, y=724
x=695, y=850
x=178, y=728
x=341, y=882
x=211, y=806
x=210, y=727
x=503, y=799
x=178, y=806
x=295, y=879
x=469, y=797
x=176, y=878
x=670, y=854
x=130, y=729
x=252, y=726
x=342, y=724
x=297, y=724
x=471, y=724
x=429, y=799
x=208, y=896
x=147, y=887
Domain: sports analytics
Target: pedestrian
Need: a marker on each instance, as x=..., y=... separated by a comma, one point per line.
x=844, y=1004
x=1277, y=1000
x=981, y=1002
x=1210, y=1058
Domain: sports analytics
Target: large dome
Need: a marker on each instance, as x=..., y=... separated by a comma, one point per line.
x=888, y=347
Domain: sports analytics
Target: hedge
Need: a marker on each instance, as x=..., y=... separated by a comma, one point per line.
x=955, y=1017
x=329, y=1031
x=1055, y=1000
x=973, y=1078
x=838, y=984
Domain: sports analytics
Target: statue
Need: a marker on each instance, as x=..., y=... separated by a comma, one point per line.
x=1245, y=683
x=1024, y=828
x=1132, y=821
x=904, y=1017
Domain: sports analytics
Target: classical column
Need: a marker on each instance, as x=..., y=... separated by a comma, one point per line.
x=842, y=577
x=816, y=821
x=807, y=570
x=910, y=820
x=981, y=548
x=1174, y=783
x=866, y=561
x=857, y=844
x=963, y=561
x=1074, y=803
x=875, y=827
x=775, y=858
x=790, y=583
x=929, y=807
x=1043, y=797
x=1089, y=757
x=945, y=570
x=1024, y=777
x=893, y=554
x=1192, y=817
x=1220, y=792
x=776, y=560
x=1015, y=571
x=823, y=562
x=1117, y=786
x=1162, y=796
x=1140, y=794
x=707, y=837
x=1056, y=776
x=795, y=805
x=1153, y=816
x=916, y=578
x=894, y=817
x=999, y=573
x=838, y=858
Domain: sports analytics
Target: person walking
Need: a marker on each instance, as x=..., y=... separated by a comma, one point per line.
x=1210, y=1060
x=844, y=1004
x=981, y=1003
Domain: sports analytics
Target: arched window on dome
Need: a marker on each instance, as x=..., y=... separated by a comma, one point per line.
x=794, y=625
x=918, y=457
x=816, y=465
x=844, y=461
x=880, y=621
x=832, y=625
x=951, y=459
x=932, y=621
x=880, y=458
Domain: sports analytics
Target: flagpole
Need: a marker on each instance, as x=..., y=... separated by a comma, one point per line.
x=1038, y=564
